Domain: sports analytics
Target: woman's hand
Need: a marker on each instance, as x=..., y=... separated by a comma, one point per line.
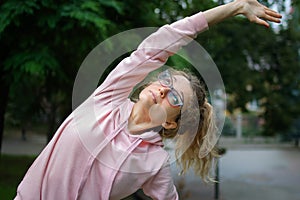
x=257, y=13
x=252, y=9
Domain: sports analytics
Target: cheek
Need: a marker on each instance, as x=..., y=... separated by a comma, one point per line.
x=172, y=112
x=157, y=114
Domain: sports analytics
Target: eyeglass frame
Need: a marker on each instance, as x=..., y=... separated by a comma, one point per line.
x=172, y=91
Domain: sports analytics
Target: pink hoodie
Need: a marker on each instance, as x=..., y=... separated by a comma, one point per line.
x=92, y=155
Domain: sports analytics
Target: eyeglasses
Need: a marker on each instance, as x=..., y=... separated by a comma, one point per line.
x=166, y=80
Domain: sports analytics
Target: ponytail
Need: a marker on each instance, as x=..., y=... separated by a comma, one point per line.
x=201, y=153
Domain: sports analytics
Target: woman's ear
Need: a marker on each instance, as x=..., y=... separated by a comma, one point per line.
x=170, y=125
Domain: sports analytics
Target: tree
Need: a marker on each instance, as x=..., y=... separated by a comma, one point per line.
x=282, y=105
x=259, y=64
x=42, y=45
x=50, y=40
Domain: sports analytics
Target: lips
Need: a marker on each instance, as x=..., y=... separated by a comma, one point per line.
x=153, y=97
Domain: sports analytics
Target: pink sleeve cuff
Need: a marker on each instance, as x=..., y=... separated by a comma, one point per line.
x=199, y=21
x=192, y=25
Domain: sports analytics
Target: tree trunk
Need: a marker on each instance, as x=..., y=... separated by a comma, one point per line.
x=51, y=122
x=4, y=91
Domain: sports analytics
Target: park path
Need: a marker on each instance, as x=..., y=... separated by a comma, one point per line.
x=251, y=174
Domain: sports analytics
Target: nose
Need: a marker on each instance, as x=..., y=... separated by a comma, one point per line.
x=163, y=91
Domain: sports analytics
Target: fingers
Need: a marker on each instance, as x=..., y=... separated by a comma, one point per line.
x=272, y=16
x=259, y=13
x=267, y=15
x=261, y=22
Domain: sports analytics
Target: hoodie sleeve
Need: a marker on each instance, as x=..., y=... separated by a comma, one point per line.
x=151, y=54
x=161, y=186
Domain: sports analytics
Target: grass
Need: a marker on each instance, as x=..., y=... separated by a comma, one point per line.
x=12, y=170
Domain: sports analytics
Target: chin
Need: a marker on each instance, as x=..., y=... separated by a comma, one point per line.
x=145, y=100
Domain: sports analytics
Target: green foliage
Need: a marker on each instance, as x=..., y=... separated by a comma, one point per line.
x=12, y=170
x=258, y=64
x=86, y=12
x=10, y=11
x=42, y=46
x=282, y=83
x=35, y=62
x=116, y=5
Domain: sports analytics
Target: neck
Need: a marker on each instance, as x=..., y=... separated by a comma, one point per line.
x=139, y=120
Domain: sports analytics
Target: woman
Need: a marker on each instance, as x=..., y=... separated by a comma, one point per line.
x=109, y=147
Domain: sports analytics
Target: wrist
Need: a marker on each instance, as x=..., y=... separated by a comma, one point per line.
x=237, y=7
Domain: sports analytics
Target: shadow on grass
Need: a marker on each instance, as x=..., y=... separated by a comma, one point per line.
x=12, y=170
